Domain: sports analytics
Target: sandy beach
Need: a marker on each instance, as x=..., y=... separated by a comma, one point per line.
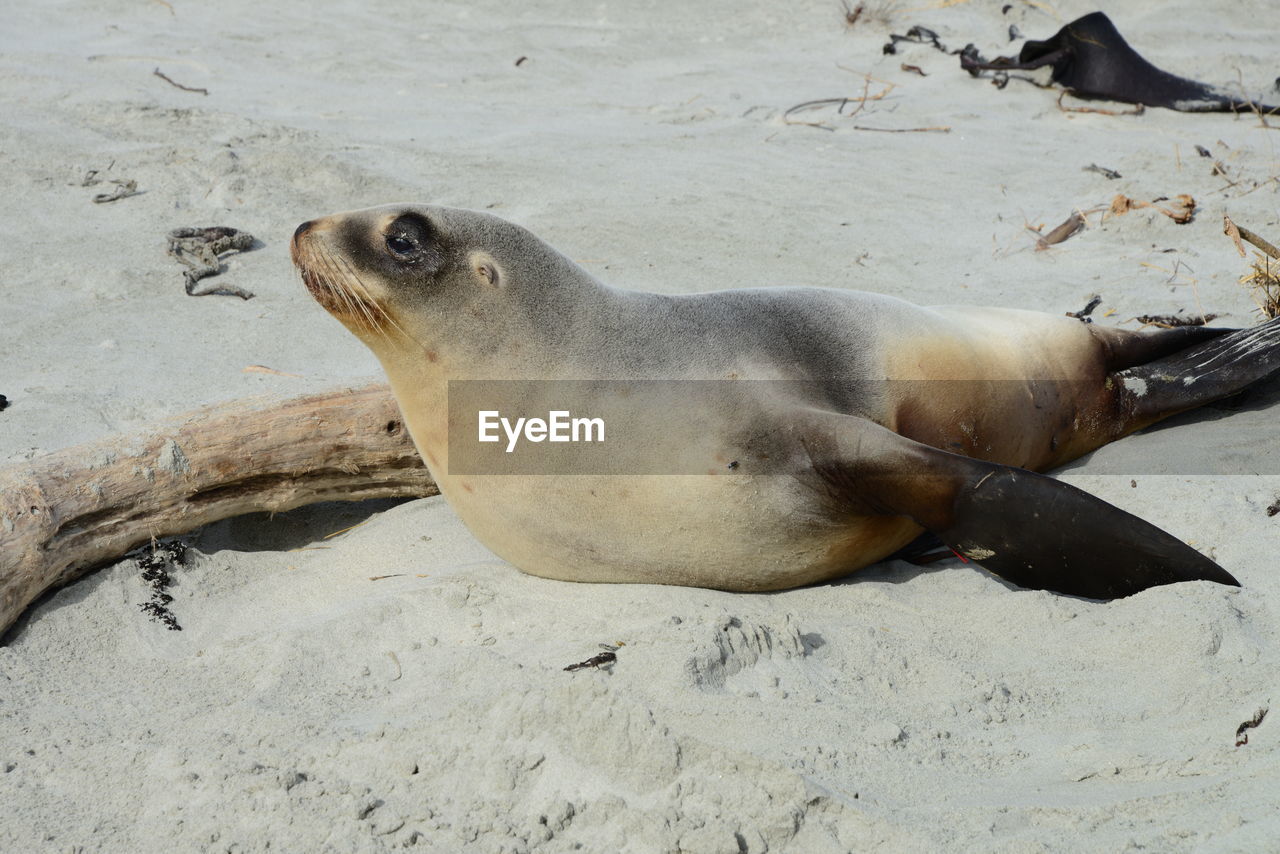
x=397, y=685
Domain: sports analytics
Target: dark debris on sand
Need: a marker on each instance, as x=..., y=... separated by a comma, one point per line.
x=155, y=563
x=1242, y=734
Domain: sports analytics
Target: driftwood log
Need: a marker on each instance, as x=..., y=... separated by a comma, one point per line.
x=71, y=511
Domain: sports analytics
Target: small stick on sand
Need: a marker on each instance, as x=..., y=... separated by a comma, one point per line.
x=68, y=512
x=124, y=189
x=263, y=369
x=1109, y=174
x=1170, y=321
x=166, y=78
x=1238, y=232
x=851, y=13
x=1230, y=229
x=1253, y=106
x=1083, y=314
x=861, y=101
x=1073, y=225
x=935, y=129
x=1263, y=279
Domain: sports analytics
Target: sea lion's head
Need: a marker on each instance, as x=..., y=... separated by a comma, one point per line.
x=462, y=291
x=405, y=271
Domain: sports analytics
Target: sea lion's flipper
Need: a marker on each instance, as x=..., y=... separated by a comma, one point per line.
x=1200, y=374
x=1125, y=348
x=1092, y=59
x=1027, y=528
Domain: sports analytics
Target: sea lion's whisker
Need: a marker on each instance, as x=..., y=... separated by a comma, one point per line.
x=355, y=291
x=320, y=273
x=337, y=285
x=389, y=320
x=360, y=297
x=312, y=269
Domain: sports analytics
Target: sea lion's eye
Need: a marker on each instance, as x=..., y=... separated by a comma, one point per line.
x=401, y=246
x=409, y=240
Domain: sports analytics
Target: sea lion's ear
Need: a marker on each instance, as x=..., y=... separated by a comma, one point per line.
x=1028, y=529
x=485, y=268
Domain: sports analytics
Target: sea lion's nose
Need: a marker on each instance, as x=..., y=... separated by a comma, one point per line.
x=295, y=245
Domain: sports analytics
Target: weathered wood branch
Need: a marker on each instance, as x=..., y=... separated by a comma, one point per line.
x=71, y=511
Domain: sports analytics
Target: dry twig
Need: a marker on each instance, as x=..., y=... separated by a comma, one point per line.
x=166, y=78
x=1073, y=226
x=1237, y=232
x=263, y=369
x=1170, y=321
x=124, y=189
x=861, y=102
x=1109, y=174
x=1263, y=278
x=1083, y=314
x=933, y=129
x=851, y=13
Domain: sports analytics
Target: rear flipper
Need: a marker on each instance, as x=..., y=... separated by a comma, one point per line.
x=1092, y=59
x=1198, y=375
x=1029, y=529
x=1041, y=533
x=1125, y=348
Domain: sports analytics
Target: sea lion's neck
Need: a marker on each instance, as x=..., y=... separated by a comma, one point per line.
x=524, y=333
x=420, y=387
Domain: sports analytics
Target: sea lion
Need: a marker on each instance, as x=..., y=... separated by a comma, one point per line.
x=869, y=421
x=1091, y=59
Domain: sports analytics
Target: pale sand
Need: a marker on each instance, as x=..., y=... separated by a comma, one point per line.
x=307, y=708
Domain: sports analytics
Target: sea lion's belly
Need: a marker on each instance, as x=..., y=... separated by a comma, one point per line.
x=761, y=524
x=730, y=532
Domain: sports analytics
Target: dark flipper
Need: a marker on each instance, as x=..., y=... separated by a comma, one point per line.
x=1029, y=529
x=1092, y=59
x=1200, y=374
x=1126, y=348
x=1041, y=533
